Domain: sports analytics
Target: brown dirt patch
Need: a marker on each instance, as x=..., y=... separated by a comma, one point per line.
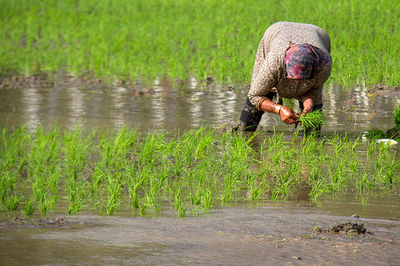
x=58, y=222
x=380, y=89
x=64, y=80
x=346, y=228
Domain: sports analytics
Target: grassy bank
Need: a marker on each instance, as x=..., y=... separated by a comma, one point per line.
x=145, y=39
x=191, y=173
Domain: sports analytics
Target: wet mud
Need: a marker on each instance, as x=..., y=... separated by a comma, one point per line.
x=265, y=234
x=345, y=228
x=64, y=80
x=382, y=90
x=36, y=223
x=58, y=222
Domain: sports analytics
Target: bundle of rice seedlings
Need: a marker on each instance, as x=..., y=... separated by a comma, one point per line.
x=312, y=120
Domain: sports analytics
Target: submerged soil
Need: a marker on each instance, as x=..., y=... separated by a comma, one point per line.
x=265, y=234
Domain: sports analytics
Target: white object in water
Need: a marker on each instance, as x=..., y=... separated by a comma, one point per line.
x=387, y=141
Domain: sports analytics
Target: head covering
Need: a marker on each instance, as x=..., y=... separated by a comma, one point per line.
x=304, y=61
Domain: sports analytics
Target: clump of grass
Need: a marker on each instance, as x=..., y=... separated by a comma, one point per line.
x=191, y=173
x=396, y=115
x=29, y=209
x=313, y=120
x=375, y=134
x=175, y=38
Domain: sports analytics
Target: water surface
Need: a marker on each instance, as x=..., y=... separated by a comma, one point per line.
x=171, y=107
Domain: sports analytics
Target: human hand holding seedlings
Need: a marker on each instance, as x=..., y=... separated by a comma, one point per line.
x=287, y=114
x=308, y=103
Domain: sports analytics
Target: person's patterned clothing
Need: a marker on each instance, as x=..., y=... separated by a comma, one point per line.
x=270, y=73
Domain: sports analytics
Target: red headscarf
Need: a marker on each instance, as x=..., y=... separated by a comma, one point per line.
x=304, y=61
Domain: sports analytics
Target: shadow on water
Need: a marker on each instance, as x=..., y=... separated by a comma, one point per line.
x=240, y=234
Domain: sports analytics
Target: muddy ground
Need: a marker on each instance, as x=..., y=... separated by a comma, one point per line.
x=65, y=80
x=293, y=235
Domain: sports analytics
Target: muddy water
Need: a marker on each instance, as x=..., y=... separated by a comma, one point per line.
x=279, y=233
x=262, y=235
x=169, y=107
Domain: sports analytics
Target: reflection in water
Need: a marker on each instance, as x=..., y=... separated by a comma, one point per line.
x=157, y=104
x=77, y=107
x=330, y=106
x=170, y=108
x=32, y=99
x=118, y=99
x=195, y=103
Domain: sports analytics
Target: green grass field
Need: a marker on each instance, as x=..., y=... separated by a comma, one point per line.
x=190, y=173
x=144, y=39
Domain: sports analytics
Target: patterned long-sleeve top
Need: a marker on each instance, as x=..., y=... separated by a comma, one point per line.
x=269, y=72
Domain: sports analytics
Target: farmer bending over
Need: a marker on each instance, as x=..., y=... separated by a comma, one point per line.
x=292, y=61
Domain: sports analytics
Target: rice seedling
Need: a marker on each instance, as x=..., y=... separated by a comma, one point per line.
x=178, y=204
x=29, y=208
x=375, y=134
x=313, y=120
x=396, y=115
x=113, y=189
x=13, y=202
x=192, y=172
x=188, y=38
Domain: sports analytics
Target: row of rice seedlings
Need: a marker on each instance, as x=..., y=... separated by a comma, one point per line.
x=75, y=160
x=43, y=168
x=132, y=39
x=11, y=166
x=191, y=173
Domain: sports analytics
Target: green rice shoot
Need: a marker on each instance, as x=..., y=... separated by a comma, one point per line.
x=375, y=134
x=396, y=115
x=313, y=120
x=74, y=172
x=149, y=38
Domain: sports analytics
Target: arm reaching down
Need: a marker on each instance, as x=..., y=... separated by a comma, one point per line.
x=287, y=115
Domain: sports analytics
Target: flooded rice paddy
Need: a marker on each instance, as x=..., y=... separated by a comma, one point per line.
x=179, y=106
x=264, y=233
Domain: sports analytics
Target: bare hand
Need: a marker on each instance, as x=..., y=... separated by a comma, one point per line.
x=288, y=115
x=308, y=104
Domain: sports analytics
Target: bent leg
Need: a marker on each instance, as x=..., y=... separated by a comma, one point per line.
x=251, y=117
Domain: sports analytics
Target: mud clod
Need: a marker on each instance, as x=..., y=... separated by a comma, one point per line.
x=350, y=227
x=384, y=90
x=57, y=222
x=345, y=228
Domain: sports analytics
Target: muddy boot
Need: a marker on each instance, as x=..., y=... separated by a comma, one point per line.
x=250, y=117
